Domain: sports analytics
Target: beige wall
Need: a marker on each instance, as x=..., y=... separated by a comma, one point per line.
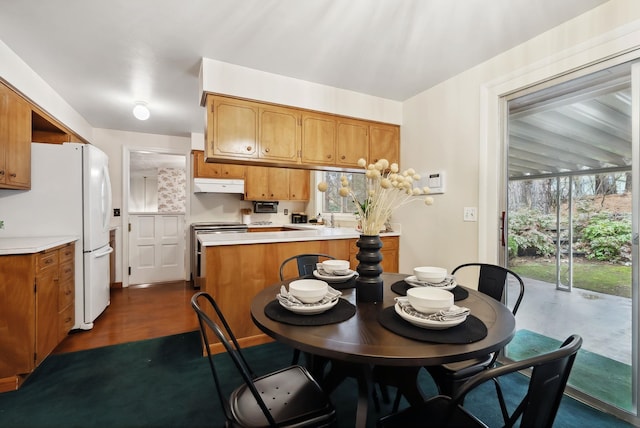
x=455, y=127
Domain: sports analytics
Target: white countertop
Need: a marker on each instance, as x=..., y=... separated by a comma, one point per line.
x=304, y=232
x=32, y=244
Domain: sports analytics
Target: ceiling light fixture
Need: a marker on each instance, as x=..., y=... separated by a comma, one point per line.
x=141, y=111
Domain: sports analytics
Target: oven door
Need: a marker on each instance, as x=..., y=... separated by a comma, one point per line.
x=198, y=262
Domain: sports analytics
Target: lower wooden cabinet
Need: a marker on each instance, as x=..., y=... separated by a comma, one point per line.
x=390, y=257
x=36, y=309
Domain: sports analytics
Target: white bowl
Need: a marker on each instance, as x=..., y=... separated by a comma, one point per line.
x=308, y=290
x=429, y=300
x=335, y=266
x=430, y=274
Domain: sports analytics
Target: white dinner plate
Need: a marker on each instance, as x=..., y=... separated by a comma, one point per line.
x=428, y=324
x=412, y=280
x=334, y=278
x=310, y=308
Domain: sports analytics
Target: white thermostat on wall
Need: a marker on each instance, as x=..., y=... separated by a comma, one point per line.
x=435, y=181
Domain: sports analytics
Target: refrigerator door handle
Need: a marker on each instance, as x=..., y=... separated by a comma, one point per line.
x=106, y=215
x=103, y=253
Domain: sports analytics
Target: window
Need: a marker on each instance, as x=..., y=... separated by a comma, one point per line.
x=332, y=202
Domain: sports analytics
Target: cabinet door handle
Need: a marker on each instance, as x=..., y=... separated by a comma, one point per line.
x=1, y=171
x=266, y=150
x=249, y=148
x=13, y=175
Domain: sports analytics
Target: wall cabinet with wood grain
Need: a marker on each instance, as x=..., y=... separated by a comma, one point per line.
x=254, y=132
x=15, y=140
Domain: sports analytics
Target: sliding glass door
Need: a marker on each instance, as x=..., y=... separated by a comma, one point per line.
x=570, y=227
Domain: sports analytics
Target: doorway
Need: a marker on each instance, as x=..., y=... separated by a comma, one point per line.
x=155, y=191
x=569, y=227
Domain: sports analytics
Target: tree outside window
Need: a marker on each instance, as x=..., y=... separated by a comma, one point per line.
x=332, y=201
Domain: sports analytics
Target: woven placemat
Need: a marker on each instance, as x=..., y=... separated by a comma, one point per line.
x=342, y=311
x=471, y=330
x=401, y=287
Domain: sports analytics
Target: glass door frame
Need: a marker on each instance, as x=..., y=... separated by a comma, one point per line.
x=502, y=251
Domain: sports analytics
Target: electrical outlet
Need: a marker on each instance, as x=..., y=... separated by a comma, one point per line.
x=286, y=211
x=470, y=214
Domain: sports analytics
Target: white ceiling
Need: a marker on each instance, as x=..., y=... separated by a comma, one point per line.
x=101, y=56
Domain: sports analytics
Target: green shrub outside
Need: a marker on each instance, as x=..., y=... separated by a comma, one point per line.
x=603, y=239
x=604, y=236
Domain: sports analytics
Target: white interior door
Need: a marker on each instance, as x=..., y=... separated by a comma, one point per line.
x=156, y=248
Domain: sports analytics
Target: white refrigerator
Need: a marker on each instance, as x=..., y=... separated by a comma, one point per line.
x=70, y=195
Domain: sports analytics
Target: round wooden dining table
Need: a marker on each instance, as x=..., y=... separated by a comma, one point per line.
x=364, y=341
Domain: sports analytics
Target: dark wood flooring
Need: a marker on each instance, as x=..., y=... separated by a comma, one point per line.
x=138, y=312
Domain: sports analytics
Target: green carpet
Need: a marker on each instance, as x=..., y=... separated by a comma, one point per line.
x=166, y=383
x=601, y=377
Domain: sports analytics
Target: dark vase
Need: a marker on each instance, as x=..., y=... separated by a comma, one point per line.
x=369, y=281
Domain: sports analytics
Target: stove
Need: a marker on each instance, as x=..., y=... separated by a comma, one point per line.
x=197, y=270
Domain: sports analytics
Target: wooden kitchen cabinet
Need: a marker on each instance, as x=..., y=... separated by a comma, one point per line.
x=266, y=184
x=254, y=132
x=390, y=255
x=299, y=184
x=202, y=169
x=233, y=282
x=318, y=145
x=15, y=140
x=384, y=143
x=239, y=129
x=232, y=128
x=36, y=309
x=352, y=142
x=279, y=137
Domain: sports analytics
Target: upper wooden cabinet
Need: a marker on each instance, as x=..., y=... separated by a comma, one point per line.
x=318, y=139
x=279, y=136
x=232, y=128
x=384, y=143
x=202, y=169
x=263, y=183
x=266, y=184
x=255, y=132
x=238, y=129
x=15, y=140
x=299, y=184
x=22, y=123
x=352, y=142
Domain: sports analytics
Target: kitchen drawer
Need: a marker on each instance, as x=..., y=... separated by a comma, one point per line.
x=66, y=272
x=47, y=260
x=66, y=291
x=66, y=319
x=67, y=253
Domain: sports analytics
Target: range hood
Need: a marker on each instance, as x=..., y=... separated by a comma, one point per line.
x=218, y=185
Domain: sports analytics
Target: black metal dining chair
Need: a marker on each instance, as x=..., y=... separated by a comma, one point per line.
x=536, y=409
x=306, y=264
x=492, y=281
x=289, y=397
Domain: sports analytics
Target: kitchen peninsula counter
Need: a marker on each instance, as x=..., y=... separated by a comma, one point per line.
x=298, y=233
x=237, y=266
x=32, y=244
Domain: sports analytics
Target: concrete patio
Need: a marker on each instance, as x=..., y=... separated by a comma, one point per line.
x=603, y=321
